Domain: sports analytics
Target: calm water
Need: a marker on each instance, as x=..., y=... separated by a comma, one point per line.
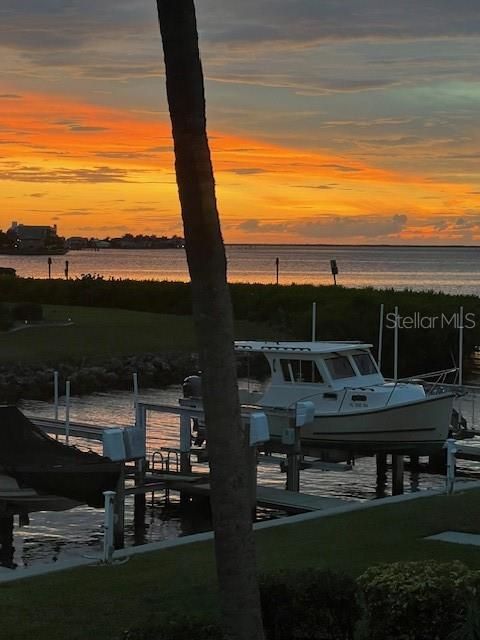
x=449, y=269
x=54, y=536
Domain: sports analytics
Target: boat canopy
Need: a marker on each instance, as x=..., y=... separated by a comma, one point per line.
x=39, y=462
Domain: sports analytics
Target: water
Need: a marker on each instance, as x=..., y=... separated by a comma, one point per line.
x=53, y=536
x=447, y=269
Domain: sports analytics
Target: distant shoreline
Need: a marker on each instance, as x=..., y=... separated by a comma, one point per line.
x=353, y=246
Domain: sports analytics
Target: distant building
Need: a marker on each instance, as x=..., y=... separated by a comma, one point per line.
x=36, y=239
x=78, y=242
x=102, y=244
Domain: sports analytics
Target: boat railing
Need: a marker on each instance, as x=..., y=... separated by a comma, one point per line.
x=390, y=395
x=466, y=401
x=432, y=380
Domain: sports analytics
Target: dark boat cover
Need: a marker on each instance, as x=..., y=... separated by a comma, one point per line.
x=38, y=461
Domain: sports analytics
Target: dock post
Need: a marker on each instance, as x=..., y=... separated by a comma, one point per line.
x=119, y=506
x=67, y=412
x=108, y=526
x=139, y=500
x=450, y=479
x=185, y=444
x=381, y=462
x=414, y=460
x=293, y=462
x=437, y=462
x=253, y=481
x=6, y=539
x=397, y=474
x=293, y=472
x=55, y=394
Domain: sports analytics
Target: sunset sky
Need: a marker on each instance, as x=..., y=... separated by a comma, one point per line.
x=349, y=121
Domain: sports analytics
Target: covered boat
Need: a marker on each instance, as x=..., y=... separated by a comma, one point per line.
x=39, y=462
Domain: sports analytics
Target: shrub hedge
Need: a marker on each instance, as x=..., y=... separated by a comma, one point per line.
x=310, y=604
x=341, y=313
x=400, y=601
x=418, y=600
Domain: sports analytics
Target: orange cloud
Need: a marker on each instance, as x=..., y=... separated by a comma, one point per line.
x=97, y=167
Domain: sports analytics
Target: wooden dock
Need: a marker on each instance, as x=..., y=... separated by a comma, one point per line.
x=293, y=501
x=77, y=429
x=271, y=497
x=468, y=451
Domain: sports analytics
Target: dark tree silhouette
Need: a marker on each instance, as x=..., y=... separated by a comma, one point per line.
x=213, y=318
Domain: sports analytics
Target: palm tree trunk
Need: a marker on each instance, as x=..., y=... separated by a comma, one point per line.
x=213, y=318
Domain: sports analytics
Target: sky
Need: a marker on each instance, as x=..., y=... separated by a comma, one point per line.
x=330, y=121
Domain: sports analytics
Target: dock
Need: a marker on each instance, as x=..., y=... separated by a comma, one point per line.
x=467, y=451
x=76, y=429
x=293, y=501
x=270, y=497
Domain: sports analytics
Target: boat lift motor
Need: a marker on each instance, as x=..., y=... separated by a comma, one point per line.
x=192, y=387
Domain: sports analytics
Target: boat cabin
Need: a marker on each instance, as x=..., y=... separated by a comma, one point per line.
x=304, y=369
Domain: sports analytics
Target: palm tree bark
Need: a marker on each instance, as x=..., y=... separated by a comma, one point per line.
x=213, y=318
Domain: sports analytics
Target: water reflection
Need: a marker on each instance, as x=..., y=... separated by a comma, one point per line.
x=57, y=536
x=7, y=550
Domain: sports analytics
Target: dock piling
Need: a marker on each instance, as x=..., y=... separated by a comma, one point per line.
x=397, y=474
x=139, y=499
x=185, y=446
x=450, y=479
x=108, y=526
x=119, y=508
x=381, y=462
x=293, y=462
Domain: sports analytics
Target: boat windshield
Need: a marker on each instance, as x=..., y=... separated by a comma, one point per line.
x=300, y=371
x=339, y=367
x=365, y=363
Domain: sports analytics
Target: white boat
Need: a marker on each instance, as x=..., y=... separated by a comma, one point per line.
x=355, y=408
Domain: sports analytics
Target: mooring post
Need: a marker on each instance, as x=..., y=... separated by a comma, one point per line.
x=139, y=500
x=108, y=526
x=67, y=412
x=437, y=462
x=253, y=481
x=414, y=460
x=119, y=506
x=185, y=446
x=6, y=538
x=450, y=478
x=397, y=474
x=381, y=462
x=293, y=460
x=55, y=394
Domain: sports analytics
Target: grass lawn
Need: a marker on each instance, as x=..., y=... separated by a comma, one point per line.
x=100, y=602
x=103, y=333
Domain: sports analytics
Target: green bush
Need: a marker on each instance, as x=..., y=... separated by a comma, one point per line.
x=341, y=313
x=309, y=604
x=30, y=311
x=417, y=600
x=470, y=628
x=191, y=629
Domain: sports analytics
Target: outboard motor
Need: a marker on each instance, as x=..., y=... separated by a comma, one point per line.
x=192, y=387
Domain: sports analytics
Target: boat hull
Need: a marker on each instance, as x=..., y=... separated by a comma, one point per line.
x=41, y=463
x=419, y=427
x=80, y=482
